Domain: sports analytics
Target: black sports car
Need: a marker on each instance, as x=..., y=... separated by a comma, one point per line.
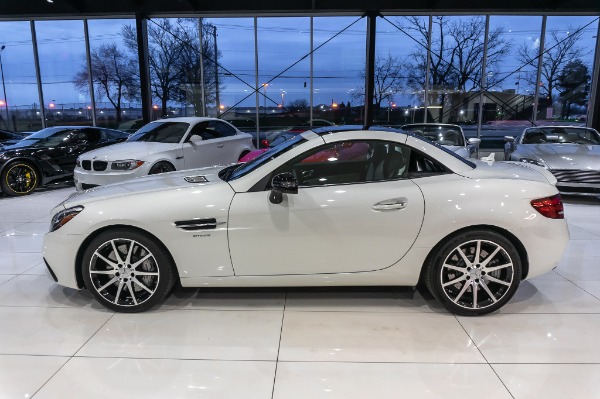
x=9, y=138
x=49, y=155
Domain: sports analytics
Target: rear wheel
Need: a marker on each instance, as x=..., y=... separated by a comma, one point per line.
x=127, y=271
x=161, y=167
x=474, y=273
x=19, y=178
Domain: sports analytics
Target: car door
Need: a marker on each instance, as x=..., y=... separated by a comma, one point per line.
x=205, y=152
x=355, y=211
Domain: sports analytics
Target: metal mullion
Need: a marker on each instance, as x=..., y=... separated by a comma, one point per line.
x=536, y=95
x=427, y=72
x=88, y=60
x=483, y=72
x=256, y=92
x=593, y=117
x=38, y=73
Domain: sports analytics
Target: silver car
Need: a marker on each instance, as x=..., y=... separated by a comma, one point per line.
x=450, y=136
x=571, y=153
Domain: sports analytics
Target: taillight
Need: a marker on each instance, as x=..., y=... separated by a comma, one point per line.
x=265, y=143
x=551, y=207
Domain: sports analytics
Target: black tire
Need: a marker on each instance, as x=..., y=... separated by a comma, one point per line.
x=161, y=167
x=114, y=280
x=495, y=272
x=19, y=178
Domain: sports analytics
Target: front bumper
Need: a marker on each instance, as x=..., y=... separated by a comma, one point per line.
x=60, y=252
x=85, y=179
x=577, y=182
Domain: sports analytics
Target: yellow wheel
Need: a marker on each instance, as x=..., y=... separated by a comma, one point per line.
x=19, y=178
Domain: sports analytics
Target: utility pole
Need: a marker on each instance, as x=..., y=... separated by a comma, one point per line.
x=216, y=72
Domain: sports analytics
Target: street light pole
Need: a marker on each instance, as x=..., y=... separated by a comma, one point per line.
x=216, y=72
x=4, y=88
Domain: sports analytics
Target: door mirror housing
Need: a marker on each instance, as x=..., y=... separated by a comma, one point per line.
x=509, y=139
x=474, y=141
x=195, y=139
x=280, y=184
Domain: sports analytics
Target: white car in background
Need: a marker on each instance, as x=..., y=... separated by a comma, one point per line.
x=323, y=208
x=164, y=146
x=450, y=136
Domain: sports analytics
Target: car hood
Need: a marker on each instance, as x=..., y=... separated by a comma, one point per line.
x=510, y=170
x=566, y=156
x=167, y=181
x=129, y=150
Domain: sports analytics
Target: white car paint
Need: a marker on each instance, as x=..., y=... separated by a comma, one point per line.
x=325, y=235
x=188, y=153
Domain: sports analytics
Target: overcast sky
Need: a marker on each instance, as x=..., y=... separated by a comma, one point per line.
x=281, y=43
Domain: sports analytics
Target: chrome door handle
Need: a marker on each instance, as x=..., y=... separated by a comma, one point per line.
x=391, y=204
x=220, y=145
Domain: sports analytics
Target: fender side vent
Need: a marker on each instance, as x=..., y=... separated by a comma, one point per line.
x=197, y=224
x=195, y=179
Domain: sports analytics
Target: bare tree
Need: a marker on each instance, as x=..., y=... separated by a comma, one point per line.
x=558, y=52
x=112, y=75
x=574, y=85
x=174, y=58
x=456, y=57
x=298, y=104
x=389, y=78
x=190, y=79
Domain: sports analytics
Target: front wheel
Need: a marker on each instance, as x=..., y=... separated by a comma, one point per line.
x=161, y=167
x=19, y=178
x=127, y=271
x=474, y=273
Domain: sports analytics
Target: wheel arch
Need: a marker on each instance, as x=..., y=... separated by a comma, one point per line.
x=89, y=238
x=507, y=234
x=162, y=160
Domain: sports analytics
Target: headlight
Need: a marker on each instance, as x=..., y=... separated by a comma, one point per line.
x=127, y=164
x=533, y=161
x=63, y=217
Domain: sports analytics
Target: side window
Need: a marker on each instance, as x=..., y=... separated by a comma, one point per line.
x=223, y=129
x=421, y=165
x=89, y=135
x=351, y=162
x=202, y=129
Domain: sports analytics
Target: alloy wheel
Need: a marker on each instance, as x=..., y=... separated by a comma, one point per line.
x=477, y=274
x=21, y=178
x=124, y=272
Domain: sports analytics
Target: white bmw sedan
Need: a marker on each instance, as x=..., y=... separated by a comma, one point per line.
x=163, y=146
x=345, y=208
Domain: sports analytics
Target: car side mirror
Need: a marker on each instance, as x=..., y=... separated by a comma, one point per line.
x=280, y=184
x=509, y=139
x=474, y=141
x=196, y=139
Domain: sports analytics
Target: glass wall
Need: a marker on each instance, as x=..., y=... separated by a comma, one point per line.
x=414, y=81
x=20, y=107
x=567, y=68
x=284, y=72
x=115, y=73
x=338, y=70
x=61, y=48
x=401, y=69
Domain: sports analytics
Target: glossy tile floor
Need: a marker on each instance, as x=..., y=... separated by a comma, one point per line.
x=300, y=343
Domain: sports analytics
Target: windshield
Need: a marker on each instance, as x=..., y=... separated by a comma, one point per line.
x=161, y=132
x=46, y=138
x=282, y=138
x=447, y=151
x=263, y=158
x=561, y=135
x=441, y=134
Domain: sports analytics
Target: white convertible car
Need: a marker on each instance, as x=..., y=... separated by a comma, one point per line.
x=163, y=146
x=321, y=209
